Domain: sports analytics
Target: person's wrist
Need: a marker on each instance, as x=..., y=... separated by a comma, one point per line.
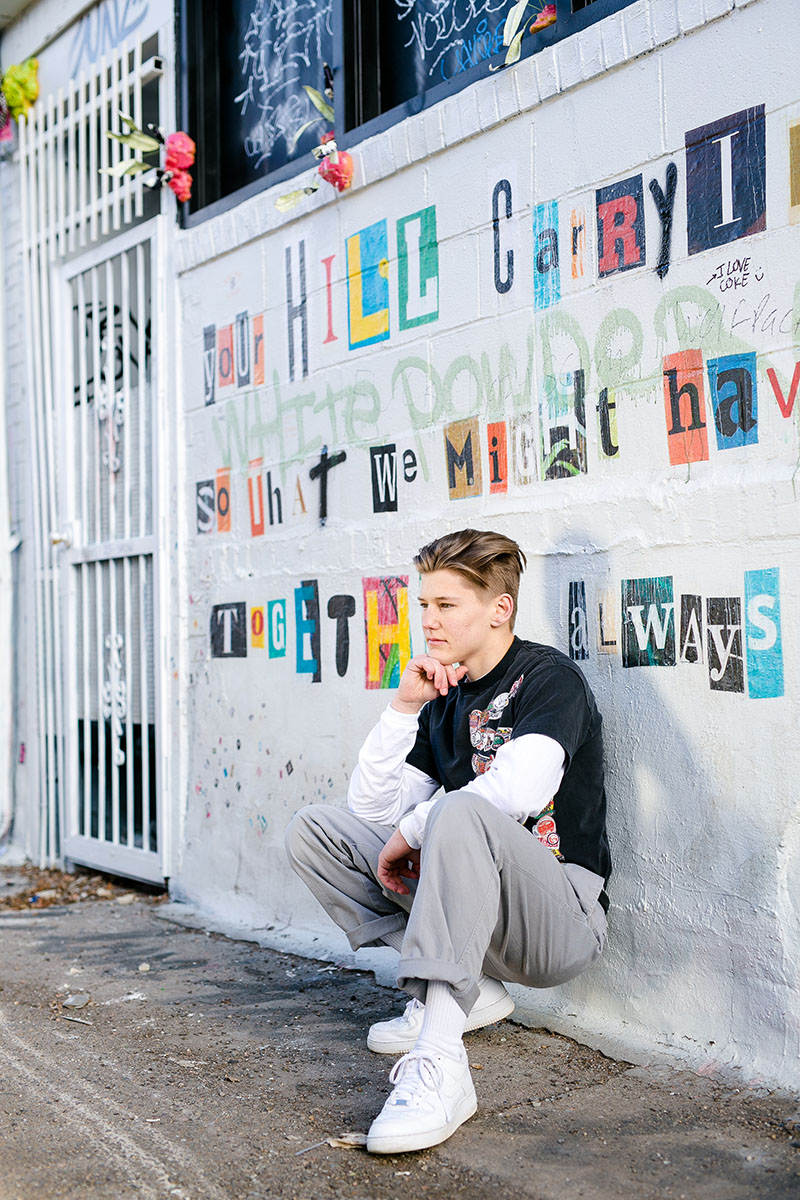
x=409, y=707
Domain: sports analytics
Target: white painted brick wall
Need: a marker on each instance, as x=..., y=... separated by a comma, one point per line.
x=546, y=67
x=615, y=51
x=690, y=15
x=664, y=21
x=716, y=8
x=570, y=65
x=590, y=46
x=638, y=35
x=506, y=94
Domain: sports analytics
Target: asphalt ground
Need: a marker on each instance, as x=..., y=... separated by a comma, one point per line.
x=141, y=1058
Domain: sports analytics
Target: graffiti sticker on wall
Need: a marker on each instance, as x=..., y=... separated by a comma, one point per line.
x=368, y=285
x=726, y=179
x=387, y=630
x=546, y=268
x=648, y=626
x=620, y=226
x=762, y=604
x=684, y=400
x=724, y=643
x=229, y=630
x=732, y=384
x=417, y=269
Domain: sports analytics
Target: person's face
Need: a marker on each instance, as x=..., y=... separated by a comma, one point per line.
x=460, y=623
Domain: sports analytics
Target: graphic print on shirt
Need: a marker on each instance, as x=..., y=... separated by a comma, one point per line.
x=546, y=832
x=487, y=741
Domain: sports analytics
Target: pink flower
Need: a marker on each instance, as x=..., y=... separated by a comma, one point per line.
x=546, y=17
x=326, y=137
x=338, y=174
x=180, y=152
x=181, y=184
x=6, y=128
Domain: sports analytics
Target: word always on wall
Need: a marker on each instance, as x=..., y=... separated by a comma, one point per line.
x=646, y=628
x=727, y=632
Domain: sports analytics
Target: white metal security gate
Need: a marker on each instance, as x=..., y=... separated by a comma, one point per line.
x=110, y=614
x=90, y=273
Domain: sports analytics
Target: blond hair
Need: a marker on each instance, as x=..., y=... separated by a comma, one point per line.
x=489, y=562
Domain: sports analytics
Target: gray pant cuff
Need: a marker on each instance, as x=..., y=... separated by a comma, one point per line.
x=371, y=932
x=414, y=974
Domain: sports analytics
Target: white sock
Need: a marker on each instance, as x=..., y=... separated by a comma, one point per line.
x=443, y=1023
x=394, y=939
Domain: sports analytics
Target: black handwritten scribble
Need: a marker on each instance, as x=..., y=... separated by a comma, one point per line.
x=286, y=43
x=450, y=36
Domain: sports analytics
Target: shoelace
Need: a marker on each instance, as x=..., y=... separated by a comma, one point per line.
x=410, y=1009
x=414, y=1073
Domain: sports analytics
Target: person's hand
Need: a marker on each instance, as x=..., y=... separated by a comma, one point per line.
x=397, y=861
x=424, y=679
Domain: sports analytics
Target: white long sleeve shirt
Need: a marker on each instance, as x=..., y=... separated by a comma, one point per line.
x=523, y=779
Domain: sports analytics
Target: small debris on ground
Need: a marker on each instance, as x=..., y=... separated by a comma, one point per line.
x=79, y=1000
x=45, y=888
x=347, y=1141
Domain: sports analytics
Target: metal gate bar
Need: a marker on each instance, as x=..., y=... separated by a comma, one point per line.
x=145, y=713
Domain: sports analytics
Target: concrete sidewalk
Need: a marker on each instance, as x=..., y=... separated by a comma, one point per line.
x=203, y=1067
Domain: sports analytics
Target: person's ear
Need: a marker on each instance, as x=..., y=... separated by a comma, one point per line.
x=503, y=610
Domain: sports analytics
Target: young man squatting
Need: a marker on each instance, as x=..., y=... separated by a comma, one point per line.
x=500, y=878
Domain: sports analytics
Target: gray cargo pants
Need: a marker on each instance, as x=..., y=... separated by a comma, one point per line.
x=490, y=897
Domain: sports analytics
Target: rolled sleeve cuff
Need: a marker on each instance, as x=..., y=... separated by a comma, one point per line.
x=409, y=827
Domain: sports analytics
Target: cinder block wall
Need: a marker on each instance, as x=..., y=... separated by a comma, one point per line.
x=571, y=314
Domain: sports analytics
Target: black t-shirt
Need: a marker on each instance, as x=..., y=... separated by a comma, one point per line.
x=533, y=689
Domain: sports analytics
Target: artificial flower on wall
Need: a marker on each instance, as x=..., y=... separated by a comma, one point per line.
x=6, y=122
x=179, y=156
x=335, y=166
x=20, y=87
x=513, y=35
x=19, y=91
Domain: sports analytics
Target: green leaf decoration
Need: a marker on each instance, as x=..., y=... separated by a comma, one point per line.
x=130, y=166
x=513, y=22
x=292, y=146
x=129, y=121
x=515, y=49
x=290, y=199
x=137, y=141
x=319, y=102
x=287, y=202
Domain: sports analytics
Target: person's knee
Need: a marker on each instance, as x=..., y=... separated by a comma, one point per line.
x=456, y=811
x=299, y=834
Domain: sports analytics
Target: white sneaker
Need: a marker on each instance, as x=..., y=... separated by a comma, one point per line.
x=400, y=1034
x=432, y=1096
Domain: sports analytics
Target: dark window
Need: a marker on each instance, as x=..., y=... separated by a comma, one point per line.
x=242, y=94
